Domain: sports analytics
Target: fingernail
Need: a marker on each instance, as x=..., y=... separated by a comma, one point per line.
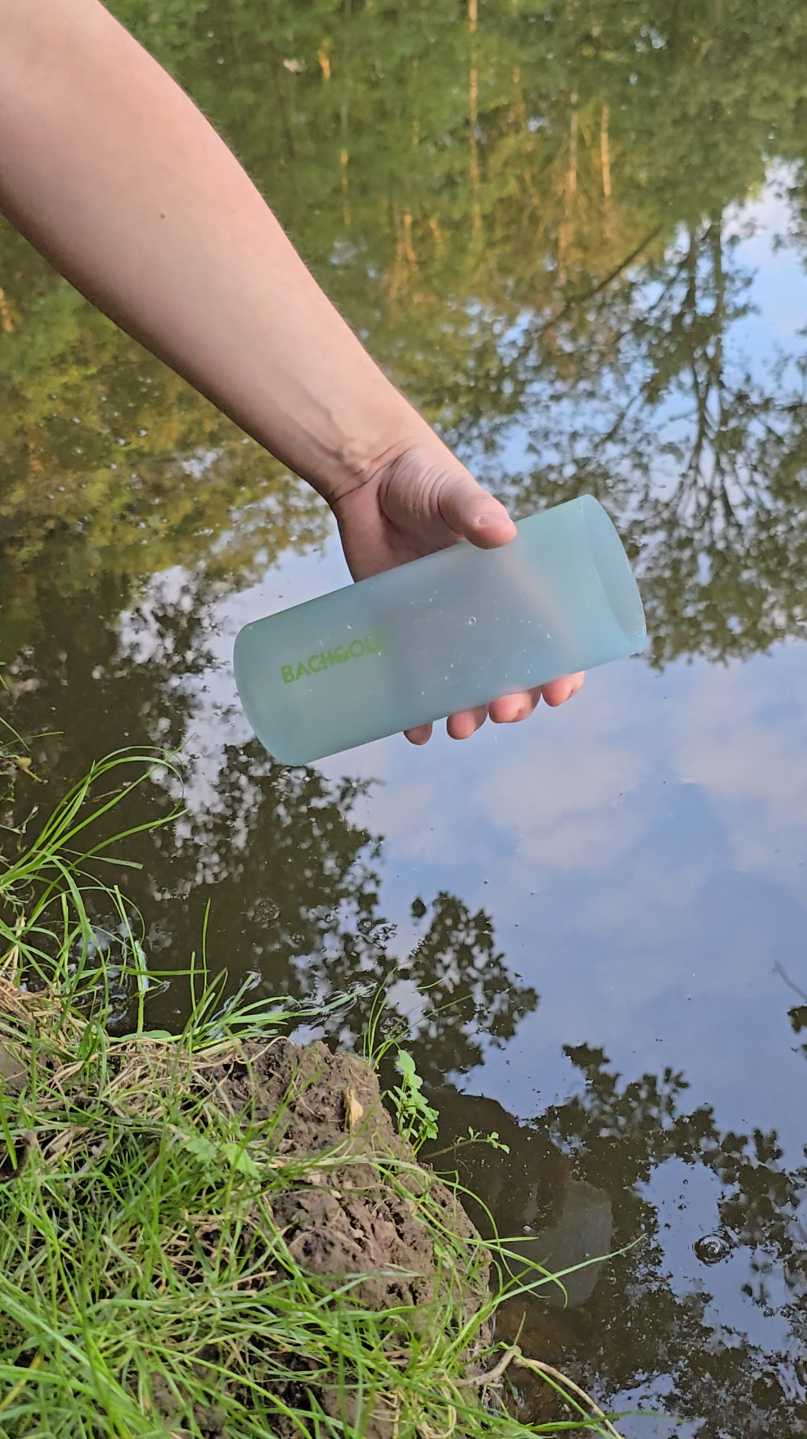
x=489, y=522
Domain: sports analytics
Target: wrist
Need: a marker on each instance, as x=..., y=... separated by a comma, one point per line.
x=365, y=447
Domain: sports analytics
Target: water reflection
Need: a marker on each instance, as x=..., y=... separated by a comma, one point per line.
x=698, y=446
x=587, y=1176
x=291, y=873
x=576, y=236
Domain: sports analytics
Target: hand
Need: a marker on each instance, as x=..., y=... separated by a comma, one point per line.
x=420, y=501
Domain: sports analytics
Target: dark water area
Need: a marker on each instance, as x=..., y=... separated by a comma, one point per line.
x=576, y=236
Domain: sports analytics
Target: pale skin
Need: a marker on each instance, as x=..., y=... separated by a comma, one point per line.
x=112, y=172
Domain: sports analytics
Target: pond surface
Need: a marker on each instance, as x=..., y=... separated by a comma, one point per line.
x=576, y=235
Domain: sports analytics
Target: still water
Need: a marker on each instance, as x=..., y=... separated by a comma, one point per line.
x=576, y=235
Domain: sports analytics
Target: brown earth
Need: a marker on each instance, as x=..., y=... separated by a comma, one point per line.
x=352, y=1221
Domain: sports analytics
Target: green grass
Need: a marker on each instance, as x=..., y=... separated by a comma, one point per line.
x=146, y=1288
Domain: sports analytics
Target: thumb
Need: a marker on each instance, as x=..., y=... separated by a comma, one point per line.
x=473, y=513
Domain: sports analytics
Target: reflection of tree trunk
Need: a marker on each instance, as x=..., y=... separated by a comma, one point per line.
x=700, y=391
x=712, y=484
x=473, y=107
x=569, y=192
x=519, y=108
x=405, y=257
x=605, y=154
x=5, y=314
x=408, y=247
x=720, y=286
x=343, y=158
x=716, y=363
x=434, y=226
x=404, y=253
x=605, y=159
x=519, y=117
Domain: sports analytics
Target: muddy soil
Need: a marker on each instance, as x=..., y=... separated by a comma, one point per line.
x=353, y=1221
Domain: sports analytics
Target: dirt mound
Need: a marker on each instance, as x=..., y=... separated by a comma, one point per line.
x=351, y=1221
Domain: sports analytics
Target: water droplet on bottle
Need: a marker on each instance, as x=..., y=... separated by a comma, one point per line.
x=711, y=1248
x=472, y=620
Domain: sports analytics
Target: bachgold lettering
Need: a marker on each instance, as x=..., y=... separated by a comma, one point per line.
x=317, y=664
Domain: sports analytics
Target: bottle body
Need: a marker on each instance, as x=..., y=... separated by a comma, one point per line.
x=447, y=632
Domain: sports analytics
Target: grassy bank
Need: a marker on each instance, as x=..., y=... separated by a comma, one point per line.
x=216, y=1234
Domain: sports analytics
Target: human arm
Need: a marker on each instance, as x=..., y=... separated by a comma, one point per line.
x=114, y=174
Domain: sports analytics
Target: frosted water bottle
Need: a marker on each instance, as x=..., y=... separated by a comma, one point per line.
x=444, y=633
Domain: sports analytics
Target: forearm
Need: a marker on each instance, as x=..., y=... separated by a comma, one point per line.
x=111, y=171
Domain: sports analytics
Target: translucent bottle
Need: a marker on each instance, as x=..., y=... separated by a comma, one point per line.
x=444, y=633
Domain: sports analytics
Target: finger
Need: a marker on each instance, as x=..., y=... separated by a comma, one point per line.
x=557, y=692
x=473, y=513
x=462, y=726
x=512, y=708
x=421, y=734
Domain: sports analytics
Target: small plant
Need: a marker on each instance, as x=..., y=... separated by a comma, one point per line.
x=383, y=1030
x=416, y=1119
x=492, y=1140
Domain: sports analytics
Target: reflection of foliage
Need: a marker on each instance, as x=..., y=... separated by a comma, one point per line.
x=639, y=1127
x=110, y=465
x=703, y=461
x=621, y=1136
x=454, y=975
x=472, y=997
x=292, y=877
x=567, y=255
x=289, y=872
x=77, y=684
x=616, y=1137
x=798, y=1019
